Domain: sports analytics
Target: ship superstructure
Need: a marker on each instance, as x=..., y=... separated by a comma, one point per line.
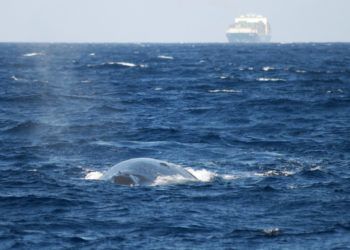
x=249, y=29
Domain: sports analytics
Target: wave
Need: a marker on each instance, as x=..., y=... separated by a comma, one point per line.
x=116, y=65
x=33, y=54
x=271, y=231
x=336, y=103
x=166, y=57
x=315, y=172
x=29, y=127
x=266, y=79
x=125, y=64
x=246, y=69
x=224, y=91
x=23, y=127
x=138, y=144
x=268, y=68
x=15, y=78
x=106, y=109
x=256, y=232
x=23, y=98
x=271, y=173
x=36, y=200
x=335, y=91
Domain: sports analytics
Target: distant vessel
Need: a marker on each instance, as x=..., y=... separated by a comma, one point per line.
x=249, y=29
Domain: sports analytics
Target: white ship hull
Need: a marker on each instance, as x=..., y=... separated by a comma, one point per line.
x=247, y=38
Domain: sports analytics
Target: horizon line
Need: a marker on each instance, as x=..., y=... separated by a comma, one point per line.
x=197, y=42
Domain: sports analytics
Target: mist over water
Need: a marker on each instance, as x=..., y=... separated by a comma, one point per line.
x=264, y=127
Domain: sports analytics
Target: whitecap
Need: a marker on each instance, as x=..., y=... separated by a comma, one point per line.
x=246, y=68
x=33, y=54
x=266, y=79
x=316, y=168
x=14, y=78
x=271, y=231
x=268, y=68
x=92, y=54
x=125, y=64
x=166, y=57
x=292, y=186
x=224, y=91
x=158, y=89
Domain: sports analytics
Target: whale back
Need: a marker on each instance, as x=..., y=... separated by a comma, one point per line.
x=144, y=171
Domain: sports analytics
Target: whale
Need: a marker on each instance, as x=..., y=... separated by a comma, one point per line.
x=144, y=171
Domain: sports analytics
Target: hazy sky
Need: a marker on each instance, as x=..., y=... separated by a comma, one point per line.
x=168, y=20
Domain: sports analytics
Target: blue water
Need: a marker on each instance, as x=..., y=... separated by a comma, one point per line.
x=270, y=124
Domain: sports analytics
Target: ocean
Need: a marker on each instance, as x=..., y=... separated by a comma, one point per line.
x=264, y=128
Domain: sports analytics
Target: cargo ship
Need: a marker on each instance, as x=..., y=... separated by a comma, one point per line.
x=249, y=29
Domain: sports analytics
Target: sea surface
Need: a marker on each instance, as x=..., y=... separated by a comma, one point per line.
x=265, y=128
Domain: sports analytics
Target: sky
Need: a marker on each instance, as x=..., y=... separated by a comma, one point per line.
x=129, y=21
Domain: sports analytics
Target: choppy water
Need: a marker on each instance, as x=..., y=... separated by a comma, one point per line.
x=266, y=128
